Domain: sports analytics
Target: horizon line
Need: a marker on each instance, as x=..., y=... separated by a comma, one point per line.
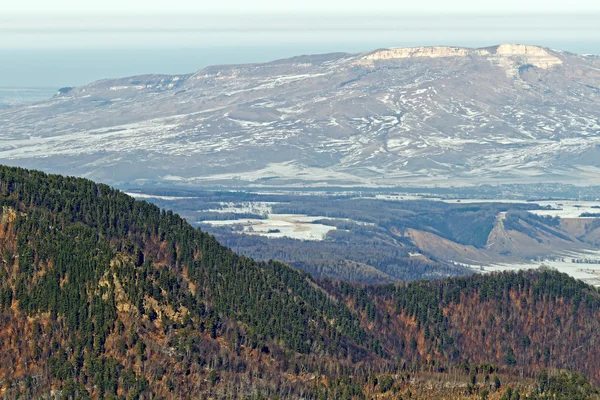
x=362, y=14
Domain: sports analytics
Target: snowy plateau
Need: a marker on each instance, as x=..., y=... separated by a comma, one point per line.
x=389, y=117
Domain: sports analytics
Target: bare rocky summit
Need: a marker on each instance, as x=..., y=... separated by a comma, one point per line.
x=389, y=117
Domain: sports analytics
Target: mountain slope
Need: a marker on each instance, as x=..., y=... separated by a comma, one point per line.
x=105, y=296
x=441, y=115
x=83, y=257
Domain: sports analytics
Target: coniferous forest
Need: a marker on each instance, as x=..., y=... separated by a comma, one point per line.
x=103, y=296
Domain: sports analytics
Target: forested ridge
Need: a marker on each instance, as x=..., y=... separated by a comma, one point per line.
x=103, y=296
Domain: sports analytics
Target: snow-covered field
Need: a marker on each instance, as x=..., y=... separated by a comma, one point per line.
x=252, y=207
x=280, y=225
x=399, y=197
x=151, y=196
x=589, y=273
x=568, y=209
x=557, y=208
x=473, y=201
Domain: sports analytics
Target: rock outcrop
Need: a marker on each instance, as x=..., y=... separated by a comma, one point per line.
x=509, y=56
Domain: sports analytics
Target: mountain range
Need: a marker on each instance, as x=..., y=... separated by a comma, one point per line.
x=388, y=117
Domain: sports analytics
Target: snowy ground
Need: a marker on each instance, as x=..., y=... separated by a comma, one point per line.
x=294, y=226
x=399, y=197
x=589, y=273
x=143, y=196
x=568, y=209
x=473, y=201
x=252, y=207
x=280, y=225
x=557, y=208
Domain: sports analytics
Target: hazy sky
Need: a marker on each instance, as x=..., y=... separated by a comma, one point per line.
x=128, y=7
x=70, y=24
x=70, y=42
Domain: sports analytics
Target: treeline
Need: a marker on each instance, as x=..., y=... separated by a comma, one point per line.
x=371, y=246
x=79, y=251
x=102, y=296
x=530, y=224
x=224, y=216
x=344, y=270
x=527, y=321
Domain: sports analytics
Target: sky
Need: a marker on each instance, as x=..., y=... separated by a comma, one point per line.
x=131, y=7
x=55, y=43
x=95, y=30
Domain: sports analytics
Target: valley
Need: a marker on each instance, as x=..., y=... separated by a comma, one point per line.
x=310, y=200
x=397, y=223
x=306, y=228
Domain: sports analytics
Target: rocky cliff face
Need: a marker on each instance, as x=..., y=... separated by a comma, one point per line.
x=428, y=115
x=530, y=53
x=509, y=56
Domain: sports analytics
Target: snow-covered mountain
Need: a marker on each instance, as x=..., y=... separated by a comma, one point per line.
x=409, y=116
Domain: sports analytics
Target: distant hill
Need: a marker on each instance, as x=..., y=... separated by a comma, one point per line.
x=103, y=296
x=407, y=116
x=11, y=97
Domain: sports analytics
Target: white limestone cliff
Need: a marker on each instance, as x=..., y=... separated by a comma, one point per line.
x=508, y=56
